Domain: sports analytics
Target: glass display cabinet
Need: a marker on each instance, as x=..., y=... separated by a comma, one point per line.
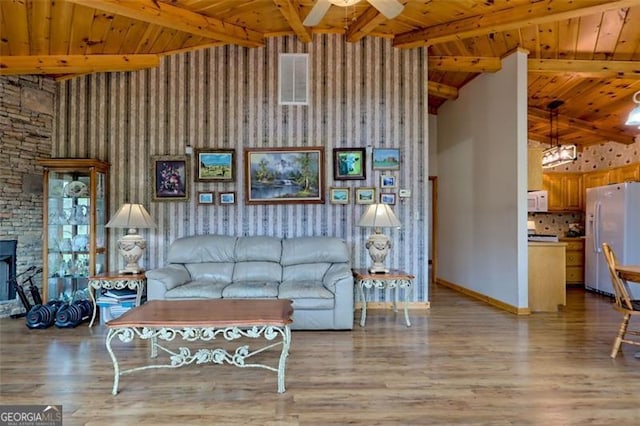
x=74, y=217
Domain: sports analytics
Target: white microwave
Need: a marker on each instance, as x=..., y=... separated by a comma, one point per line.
x=538, y=201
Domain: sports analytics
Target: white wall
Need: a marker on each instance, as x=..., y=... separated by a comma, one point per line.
x=482, y=163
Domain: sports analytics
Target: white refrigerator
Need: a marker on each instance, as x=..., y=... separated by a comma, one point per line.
x=613, y=217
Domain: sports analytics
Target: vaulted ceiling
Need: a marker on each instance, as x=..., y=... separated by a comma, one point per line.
x=584, y=52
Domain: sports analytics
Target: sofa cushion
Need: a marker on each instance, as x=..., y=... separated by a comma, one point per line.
x=211, y=271
x=314, y=249
x=258, y=248
x=306, y=294
x=203, y=248
x=257, y=271
x=199, y=289
x=304, y=272
x=251, y=290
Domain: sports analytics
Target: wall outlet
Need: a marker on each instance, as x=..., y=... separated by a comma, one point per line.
x=188, y=150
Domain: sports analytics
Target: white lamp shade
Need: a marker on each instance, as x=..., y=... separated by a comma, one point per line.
x=131, y=216
x=379, y=216
x=634, y=117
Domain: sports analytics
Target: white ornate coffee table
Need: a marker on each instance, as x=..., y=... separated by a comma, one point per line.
x=205, y=320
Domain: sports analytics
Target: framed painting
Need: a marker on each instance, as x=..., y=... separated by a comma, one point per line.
x=349, y=164
x=205, y=197
x=339, y=195
x=387, y=181
x=227, y=198
x=386, y=159
x=170, y=176
x=365, y=195
x=388, y=198
x=284, y=175
x=215, y=165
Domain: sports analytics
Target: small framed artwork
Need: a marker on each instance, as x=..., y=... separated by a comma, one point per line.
x=170, y=176
x=205, y=197
x=227, y=197
x=284, y=175
x=339, y=195
x=388, y=198
x=349, y=164
x=215, y=165
x=365, y=195
x=386, y=159
x=387, y=181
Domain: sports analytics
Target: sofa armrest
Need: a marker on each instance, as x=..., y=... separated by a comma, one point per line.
x=337, y=272
x=161, y=280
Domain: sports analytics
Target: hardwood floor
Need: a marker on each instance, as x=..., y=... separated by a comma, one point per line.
x=461, y=362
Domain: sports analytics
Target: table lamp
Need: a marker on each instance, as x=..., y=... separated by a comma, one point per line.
x=378, y=216
x=132, y=245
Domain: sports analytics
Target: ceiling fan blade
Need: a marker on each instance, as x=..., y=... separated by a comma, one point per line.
x=317, y=13
x=389, y=8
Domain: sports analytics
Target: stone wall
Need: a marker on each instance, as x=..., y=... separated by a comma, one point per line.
x=26, y=127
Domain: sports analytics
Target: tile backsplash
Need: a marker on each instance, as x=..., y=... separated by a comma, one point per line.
x=555, y=223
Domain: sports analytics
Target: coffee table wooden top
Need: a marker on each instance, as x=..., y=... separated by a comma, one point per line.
x=207, y=313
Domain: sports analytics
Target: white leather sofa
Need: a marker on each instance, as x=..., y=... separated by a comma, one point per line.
x=314, y=272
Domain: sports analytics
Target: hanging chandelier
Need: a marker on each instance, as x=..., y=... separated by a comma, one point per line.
x=557, y=155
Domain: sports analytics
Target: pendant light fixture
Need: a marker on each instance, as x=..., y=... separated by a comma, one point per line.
x=634, y=115
x=557, y=155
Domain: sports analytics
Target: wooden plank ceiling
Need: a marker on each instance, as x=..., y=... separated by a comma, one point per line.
x=584, y=52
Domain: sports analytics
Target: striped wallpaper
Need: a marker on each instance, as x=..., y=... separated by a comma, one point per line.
x=366, y=94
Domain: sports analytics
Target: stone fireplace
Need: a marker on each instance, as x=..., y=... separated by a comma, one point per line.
x=7, y=268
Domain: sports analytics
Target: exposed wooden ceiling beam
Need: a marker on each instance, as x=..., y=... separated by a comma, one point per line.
x=366, y=23
x=606, y=69
x=464, y=63
x=586, y=126
x=507, y=19
x=442, y=90
x=159, y=13
x=75, y=64
x=292, y=16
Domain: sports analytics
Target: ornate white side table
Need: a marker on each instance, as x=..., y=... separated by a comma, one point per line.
x=393, y=279
x=116, y=281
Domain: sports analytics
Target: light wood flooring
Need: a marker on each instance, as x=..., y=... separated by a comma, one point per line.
x=461, y=362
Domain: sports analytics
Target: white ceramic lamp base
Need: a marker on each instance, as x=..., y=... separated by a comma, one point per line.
x=131, y=247
x=378, y=245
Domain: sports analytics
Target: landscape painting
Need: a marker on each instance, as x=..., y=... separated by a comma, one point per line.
x=386, y=159
x=215, y=165
x=284, y=175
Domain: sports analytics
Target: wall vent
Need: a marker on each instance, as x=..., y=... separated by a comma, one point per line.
x=293, y=78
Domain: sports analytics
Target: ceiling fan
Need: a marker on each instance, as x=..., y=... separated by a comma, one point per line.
x=389, y=8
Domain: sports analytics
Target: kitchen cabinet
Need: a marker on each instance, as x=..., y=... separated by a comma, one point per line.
x=534, y=170
x=597, y=178
x=628, y=173
x=574, y=260
x=547, y=276
x=74, y=217
x=565, y=191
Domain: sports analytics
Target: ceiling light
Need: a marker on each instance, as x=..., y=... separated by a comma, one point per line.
x=634, y=115
x=557, y=154
x=344, y=3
